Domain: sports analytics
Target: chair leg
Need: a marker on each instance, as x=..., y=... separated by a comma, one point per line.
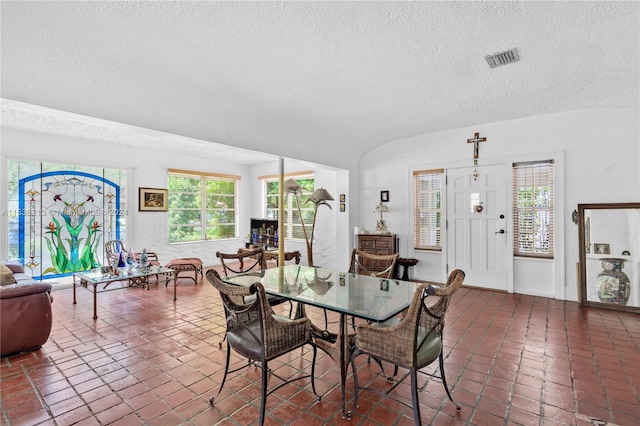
x=313, y=372
x=356, y=388
x=224, y=376
x=263, y=396
x=444, y=381
x=414, y=397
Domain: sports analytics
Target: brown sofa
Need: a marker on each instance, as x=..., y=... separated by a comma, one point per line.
x=25, y=312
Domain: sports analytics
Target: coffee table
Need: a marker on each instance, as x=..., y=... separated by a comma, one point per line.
x=137, y=277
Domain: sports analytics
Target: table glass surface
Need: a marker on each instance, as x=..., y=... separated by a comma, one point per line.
x=363, y=296
x=99, y=277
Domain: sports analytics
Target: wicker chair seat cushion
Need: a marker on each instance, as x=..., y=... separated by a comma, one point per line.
x=241, y=340
x=431, y=348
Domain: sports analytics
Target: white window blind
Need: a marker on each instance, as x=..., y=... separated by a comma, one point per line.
x=533, y=209
x=427, y=211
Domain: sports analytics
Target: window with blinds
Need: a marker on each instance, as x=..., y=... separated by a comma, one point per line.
x=427, y=211
x=202, y=206
x=533, y=209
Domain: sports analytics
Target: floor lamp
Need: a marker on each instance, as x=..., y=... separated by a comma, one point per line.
x=318, y=198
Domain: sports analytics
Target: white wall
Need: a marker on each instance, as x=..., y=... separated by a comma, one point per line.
x=600, y=162
x=600, y=151
x=148, y=168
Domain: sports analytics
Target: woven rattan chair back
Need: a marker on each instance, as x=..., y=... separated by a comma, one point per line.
x=236, y=263
x=382, y=266
x=112, y=249
x=254, y=331
x=249, y=261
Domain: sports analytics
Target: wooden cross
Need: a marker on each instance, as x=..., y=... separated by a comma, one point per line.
x=475, y=141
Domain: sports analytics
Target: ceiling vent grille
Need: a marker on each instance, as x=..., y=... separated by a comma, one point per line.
x=502, y=58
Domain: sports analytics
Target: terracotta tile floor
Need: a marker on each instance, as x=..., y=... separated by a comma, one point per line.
x=511, y=360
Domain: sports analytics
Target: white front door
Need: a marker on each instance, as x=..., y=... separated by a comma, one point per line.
x=477, y=239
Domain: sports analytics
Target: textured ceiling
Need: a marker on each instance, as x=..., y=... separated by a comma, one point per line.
x=317, y=81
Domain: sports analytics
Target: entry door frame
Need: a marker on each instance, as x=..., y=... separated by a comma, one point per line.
x=508, y=183
x=564, y=281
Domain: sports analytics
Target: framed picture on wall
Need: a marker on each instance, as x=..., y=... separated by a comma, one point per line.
x=601, y=248
x=384, y=196
x=153, y=200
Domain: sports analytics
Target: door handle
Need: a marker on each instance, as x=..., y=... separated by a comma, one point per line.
x=500, y=231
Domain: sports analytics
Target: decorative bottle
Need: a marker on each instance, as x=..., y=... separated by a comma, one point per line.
x=121, y=262
x=144, y=259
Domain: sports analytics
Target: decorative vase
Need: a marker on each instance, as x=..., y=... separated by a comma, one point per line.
x=144, y=259
x=121, y=263
x=612, y=284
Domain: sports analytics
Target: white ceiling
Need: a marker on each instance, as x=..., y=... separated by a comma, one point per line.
x=318, y=81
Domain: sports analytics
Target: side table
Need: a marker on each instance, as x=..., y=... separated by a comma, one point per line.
x=406, y=263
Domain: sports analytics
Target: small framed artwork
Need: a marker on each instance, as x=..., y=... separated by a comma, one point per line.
x=343, y=207
x=343, y=198
x=384, y=196
x=601, y=248
x=384, y=285
x=153, y=200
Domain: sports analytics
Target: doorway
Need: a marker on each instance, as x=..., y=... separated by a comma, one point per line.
x=477, y=215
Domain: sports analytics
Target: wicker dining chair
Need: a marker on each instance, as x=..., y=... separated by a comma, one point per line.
x=412, y=342
x=254, y=331
x=249, y=261
x=363, y=263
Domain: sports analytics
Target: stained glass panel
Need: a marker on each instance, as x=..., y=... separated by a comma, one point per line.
x=60, y=215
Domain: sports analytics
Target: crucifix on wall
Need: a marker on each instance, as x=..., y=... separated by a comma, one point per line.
x=476, y=149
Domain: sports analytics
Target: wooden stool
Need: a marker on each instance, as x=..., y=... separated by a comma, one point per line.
x=186, y=264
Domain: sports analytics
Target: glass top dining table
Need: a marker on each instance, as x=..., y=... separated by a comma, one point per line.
x=367, y=297
x=371, y=298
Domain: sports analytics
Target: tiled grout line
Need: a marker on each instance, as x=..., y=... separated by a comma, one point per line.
x=37, y=391
x=465, y=367
x=546, y=362
x=518, y=305
x=625, y=364
x=575, y=390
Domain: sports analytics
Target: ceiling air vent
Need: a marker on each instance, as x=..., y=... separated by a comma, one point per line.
x=502, y=58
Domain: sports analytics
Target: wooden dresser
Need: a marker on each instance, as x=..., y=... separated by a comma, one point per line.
x=378, y=244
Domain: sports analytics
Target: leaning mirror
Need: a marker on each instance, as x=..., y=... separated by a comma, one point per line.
x=609, y=244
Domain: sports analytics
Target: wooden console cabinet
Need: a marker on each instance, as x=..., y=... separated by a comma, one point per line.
x=378, y=244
